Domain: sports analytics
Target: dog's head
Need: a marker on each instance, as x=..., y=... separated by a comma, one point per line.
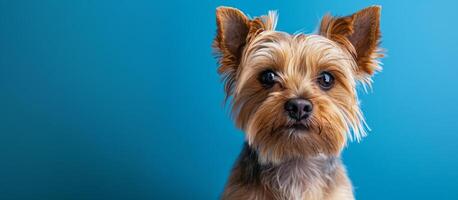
x=295, y=95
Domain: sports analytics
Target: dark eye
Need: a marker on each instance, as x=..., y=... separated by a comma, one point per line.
x=326, y=80
x=268, y=78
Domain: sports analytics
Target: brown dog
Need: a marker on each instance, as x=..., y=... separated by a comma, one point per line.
x=295, y=98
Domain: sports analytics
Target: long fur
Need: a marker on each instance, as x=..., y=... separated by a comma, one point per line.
x=279, y=162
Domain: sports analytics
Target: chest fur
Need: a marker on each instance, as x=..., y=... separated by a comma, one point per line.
x=311, y=178
x=301, y=179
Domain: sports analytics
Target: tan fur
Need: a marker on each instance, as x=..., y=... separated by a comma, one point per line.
x=278, y=162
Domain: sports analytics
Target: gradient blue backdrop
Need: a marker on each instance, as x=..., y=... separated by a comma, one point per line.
x=121, y=100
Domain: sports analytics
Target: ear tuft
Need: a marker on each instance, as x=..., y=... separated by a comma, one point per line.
x=360, y=33
x=232, y=30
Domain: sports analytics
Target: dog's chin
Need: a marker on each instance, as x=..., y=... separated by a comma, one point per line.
x=294, y=142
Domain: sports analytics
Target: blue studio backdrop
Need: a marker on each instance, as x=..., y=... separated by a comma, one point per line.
x=121, y=99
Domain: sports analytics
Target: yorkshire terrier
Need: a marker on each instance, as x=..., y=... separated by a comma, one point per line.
x=295, y=97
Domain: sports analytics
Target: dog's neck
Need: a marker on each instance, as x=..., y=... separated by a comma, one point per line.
x=293, y=179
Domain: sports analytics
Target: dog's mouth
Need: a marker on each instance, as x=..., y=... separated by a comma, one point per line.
x=299, y=126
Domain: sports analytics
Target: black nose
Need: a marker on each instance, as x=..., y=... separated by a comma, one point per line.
x=298, y=108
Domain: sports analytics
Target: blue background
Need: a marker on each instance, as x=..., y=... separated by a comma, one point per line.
x=121, y=100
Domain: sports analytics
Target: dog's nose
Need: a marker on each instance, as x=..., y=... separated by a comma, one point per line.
x=298, y=108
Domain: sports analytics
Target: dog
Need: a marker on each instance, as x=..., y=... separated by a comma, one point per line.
x=295, y=97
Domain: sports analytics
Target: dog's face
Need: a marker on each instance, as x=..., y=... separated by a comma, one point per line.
x=295, y=95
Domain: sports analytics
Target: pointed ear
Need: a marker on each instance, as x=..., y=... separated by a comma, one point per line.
x=360, y=34
x=232, y=30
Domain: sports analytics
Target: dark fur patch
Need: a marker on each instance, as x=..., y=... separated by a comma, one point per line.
x=247, y=164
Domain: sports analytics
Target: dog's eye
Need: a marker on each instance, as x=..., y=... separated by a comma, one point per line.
x=268, y=78
x=326, y=80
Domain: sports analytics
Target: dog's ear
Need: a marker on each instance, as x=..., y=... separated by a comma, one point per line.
x=233, y=28
x=360, y=34
x=234, y=31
